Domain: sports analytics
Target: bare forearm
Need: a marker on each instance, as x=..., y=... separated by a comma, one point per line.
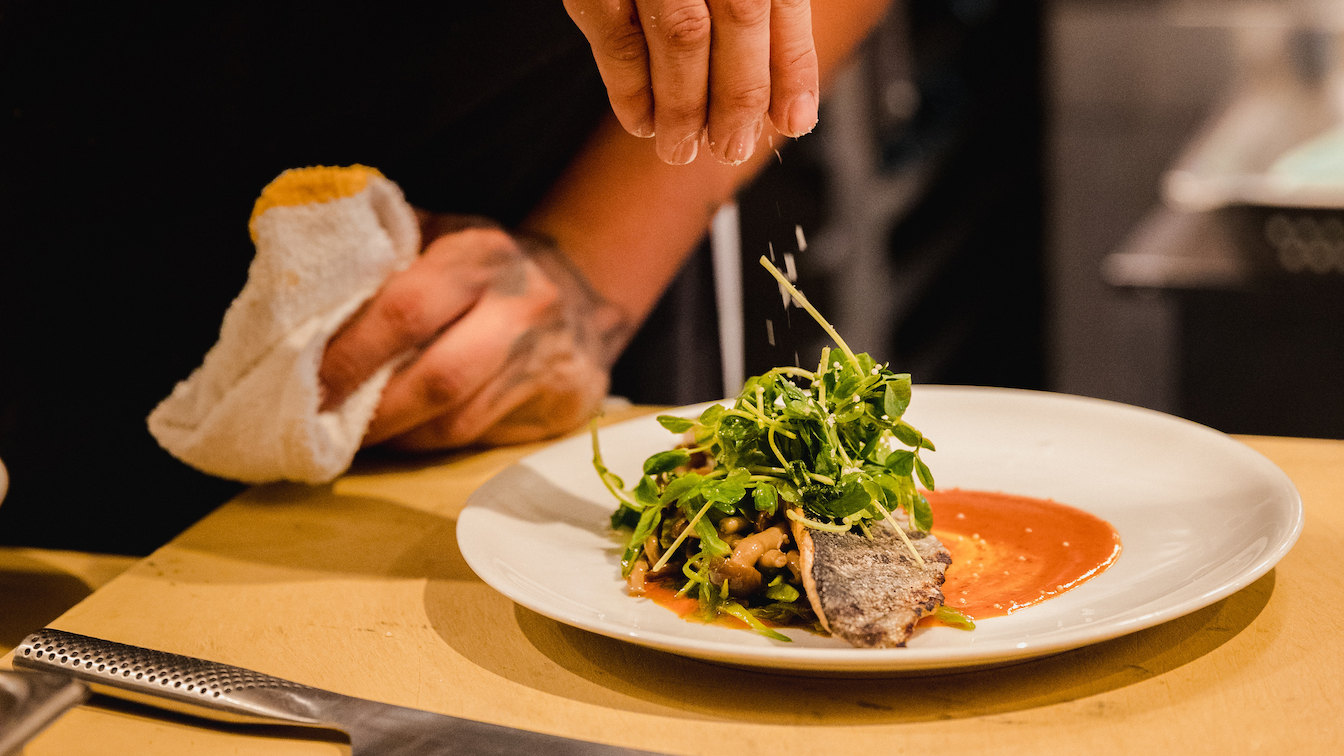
x=627, y=220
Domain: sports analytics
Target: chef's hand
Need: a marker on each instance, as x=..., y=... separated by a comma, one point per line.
x=505, y=343
x=674, y=68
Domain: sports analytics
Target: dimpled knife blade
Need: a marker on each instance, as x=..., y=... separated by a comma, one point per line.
x=232, y=694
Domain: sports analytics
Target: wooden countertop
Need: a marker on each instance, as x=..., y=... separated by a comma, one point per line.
x=360, y=588
x=38, y=585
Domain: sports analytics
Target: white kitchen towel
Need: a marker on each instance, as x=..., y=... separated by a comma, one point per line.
x=326, y=239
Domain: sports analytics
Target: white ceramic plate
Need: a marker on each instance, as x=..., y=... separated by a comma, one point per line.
x=1200, y=516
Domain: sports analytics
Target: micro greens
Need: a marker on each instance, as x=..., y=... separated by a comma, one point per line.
x=829, y=445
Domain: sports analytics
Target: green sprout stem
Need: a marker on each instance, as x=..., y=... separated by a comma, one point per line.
x=741, y=612
x=793, y=514
x=677, y=543
x=794, y=371
x=900, y=531
x=806, y=305
x=760, y=419
x=606, y=475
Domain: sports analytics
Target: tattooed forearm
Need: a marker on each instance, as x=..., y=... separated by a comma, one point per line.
x=602, y=326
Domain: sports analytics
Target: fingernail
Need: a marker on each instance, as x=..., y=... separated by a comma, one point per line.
x=741, y=144
x=685, y=150
x=643, y=130
x=802, y=114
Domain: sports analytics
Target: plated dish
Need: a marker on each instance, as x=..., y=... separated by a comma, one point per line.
x=1200, y=514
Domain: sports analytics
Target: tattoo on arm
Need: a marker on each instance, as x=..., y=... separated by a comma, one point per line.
x=601, y=326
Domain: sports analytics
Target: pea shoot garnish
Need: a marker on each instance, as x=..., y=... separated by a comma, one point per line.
x=825, y=448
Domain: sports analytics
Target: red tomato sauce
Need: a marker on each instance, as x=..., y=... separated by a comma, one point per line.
x=664, y=595
x=1010, y=552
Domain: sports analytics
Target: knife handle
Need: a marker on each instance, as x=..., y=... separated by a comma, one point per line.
x=177, y=683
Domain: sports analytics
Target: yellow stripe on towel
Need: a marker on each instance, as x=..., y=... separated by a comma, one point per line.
x=307, y=186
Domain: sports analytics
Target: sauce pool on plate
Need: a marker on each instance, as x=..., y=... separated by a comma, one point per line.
x=1010, y=552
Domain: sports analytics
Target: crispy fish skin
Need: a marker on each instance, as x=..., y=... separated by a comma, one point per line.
x=871, y=592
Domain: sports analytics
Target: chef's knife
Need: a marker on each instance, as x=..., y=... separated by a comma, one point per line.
x=232, y=694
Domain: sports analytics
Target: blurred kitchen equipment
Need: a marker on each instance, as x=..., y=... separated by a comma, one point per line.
x=1249, y=241
x=1260, y=190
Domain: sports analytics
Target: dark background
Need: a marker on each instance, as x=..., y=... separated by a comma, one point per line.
x=971, y=173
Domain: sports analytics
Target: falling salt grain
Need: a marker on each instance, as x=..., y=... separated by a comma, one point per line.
x=1066, y=543
x=770, y=331
x=798, y=232
x=1028, y=530
x=961, y=515
x=790, y=273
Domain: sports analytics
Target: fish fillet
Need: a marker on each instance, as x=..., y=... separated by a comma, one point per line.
x=871, y=592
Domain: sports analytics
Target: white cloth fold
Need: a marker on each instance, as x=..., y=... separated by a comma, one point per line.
x=326, y=238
